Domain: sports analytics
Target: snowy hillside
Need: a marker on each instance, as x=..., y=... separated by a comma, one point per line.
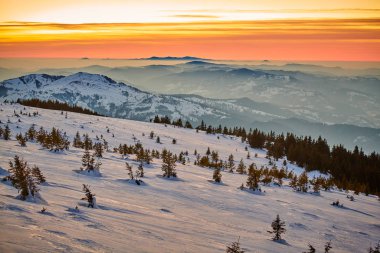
x=186, y=214
x=106, y=96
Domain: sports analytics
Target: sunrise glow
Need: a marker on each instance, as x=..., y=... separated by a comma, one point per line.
x=297, y=30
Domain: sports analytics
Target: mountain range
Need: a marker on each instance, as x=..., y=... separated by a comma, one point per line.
x=122, y=100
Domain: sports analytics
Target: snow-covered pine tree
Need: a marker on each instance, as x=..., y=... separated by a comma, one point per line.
x=87, y=161
x=217, y=176
x=241, y=167
x=278, y=228
x=234, y=247
x=89, y=196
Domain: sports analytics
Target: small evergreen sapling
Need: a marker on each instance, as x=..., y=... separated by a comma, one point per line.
x=217, y=176
x=328, y=247
x=278, y=228
x=89, y=196
x=7, y=133
x=140, y=171
x=234, y=247
x=310, y=250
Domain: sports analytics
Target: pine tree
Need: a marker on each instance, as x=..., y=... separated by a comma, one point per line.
x=87, y=161
x=328, y=247
x=77, y=142
x=98, y=148
x=253, y=178
x=168, y=165
x=376, y=249
x=140, y=171
x=21, y=140
x=90, y=197
x=278, y=228
x=217, y=176
x=32, y=133
x=311, y=249
x=130, y=171
x=208, y=152
x=21, y=178
x=302, y=182
x=87, y=142
x=7, y=133
x=234, y=248
x=241, y=167
x=231, y=163
x=37, y=174
x=293, y=182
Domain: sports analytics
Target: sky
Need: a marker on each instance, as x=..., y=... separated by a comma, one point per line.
x=325, y=30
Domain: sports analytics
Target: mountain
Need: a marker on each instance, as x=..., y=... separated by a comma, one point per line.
x=117, y=99
x=310, y=92
x=172, y=58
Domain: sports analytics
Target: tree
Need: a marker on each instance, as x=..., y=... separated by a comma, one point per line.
x=302, y=182
x=77, y=142
x=311, y=249
x=21, y=140
x=130, y=171
x=278, y=228
x=375, y=250
x=7, y=133
x=217, y=176
x=37, y=174
x=22, y=179
x=208, y=152
x=140, y=171
x=241, y=167
x=231, y=163
x=89, y=196
x=87, y=142
x=328, y=247
x=168, y=165
x=235, y=247
x=98, y=147
x=253, y=178
x=87, y=161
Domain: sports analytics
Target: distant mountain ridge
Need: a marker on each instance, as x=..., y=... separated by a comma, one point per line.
x=173, y=58
x=117, y=99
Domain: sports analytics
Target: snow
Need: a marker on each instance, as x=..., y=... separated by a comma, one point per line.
x=188, y=214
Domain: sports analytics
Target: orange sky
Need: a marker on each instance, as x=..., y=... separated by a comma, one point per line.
x=241, y=29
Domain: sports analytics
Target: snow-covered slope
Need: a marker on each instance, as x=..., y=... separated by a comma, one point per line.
x=189, y=214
